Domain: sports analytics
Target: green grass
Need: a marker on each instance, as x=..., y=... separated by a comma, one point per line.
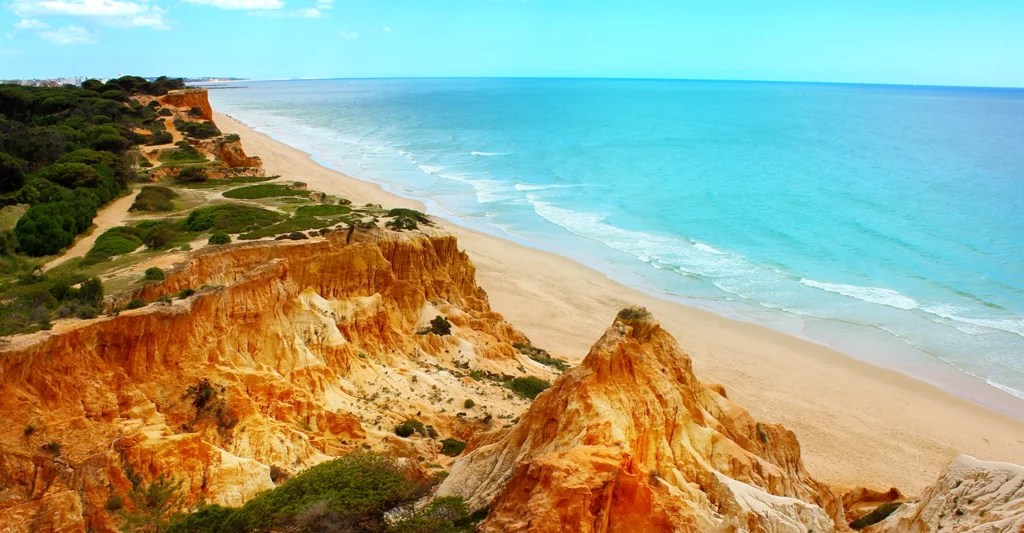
x=10, y=214
x=322, y=210
x=230, y=218
x=542, y=356
x=154, y=198
x=184, y=153
x=297, y=223
x=529, y=387
x=264, y=190
x=225, y=182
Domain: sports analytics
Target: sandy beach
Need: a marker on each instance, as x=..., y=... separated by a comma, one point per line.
x=858, y=424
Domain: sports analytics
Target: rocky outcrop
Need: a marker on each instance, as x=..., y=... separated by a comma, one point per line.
x=971, y=496
x=631, y=441
x=233, y=155
x=187, y=99
x=289, y=353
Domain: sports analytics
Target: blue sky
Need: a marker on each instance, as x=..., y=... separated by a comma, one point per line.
x=962, y=42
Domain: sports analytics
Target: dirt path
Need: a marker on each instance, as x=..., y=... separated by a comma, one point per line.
x=108, y=217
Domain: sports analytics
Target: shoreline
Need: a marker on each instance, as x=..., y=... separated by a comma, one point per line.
x=858, y=424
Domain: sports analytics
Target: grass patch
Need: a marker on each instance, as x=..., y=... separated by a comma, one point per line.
x=184, y=153
x=290, y=225
x=322, y=210
x=528, y=387
x=154, y=198
x=880, y=513
x=230, y=218
x=542, y=356
x=264, y=190
x=225, y=182
x=402, y=219
x=10, y=214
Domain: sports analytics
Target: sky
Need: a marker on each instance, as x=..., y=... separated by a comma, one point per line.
x=933, y=42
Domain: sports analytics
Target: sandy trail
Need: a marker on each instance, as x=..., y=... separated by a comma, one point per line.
x=114, y=214
x=858, y=424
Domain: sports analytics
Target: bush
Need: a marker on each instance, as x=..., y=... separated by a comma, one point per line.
x=185, y=293
x=529, y=387
x=452, y=447
x=404, y=430
x=158, y=235
x=405, y=219
x=160, y=137
x=184, y=153
x=114, y=503
x=880, y=513
x=469, y=404
x=542, y=356
x=322, y=210
x=197, y=130
x=118, y=240
x=440, y=326
x=230, y=218
x=91, y=292
x=135, y=303
x=52, y=447
x=264, y=190
x=219, y=238
x=154, y=274
x=12, y=175
x=70, y=175
x=195, y=112
x=191, y=175
x=154, y=198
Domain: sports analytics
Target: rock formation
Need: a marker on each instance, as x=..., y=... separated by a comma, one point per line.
x=187, y=99
x=631, y=441
x=289, y=353
x=971, y=496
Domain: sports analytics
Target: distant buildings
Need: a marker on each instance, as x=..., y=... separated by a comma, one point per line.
x=54, y=82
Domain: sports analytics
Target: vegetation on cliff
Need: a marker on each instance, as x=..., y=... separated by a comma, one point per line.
x=359, y=492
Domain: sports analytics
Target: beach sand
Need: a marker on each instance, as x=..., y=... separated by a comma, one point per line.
x=858, y=424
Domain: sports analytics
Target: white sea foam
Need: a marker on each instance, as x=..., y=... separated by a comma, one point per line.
x=875, y=295
x=485, y=154
x=949, y=312
x=433, y=170
x=1007, y=389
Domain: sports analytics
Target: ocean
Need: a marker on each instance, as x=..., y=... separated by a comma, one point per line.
x=885, y=221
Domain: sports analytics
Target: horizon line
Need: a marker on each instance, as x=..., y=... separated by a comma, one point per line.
x=606, y=78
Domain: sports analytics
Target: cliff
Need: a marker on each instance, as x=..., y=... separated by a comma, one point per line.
x=187, y=99
x=971, y=496
x=288, y=354
x=631, y=441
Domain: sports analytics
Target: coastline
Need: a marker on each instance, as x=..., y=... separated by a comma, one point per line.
x=859, y=424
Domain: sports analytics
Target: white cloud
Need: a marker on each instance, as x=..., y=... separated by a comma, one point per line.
x=77, y=8
x=111, y=12
x=69, y=35
x=325, y=4
x=31, y=24
x=387, y=29
x=241, y=4
x=306, y=13
x=348, y=34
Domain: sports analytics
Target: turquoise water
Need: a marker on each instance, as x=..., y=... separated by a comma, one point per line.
x=886, y=221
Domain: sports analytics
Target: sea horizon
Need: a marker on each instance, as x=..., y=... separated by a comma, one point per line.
x=796, y=296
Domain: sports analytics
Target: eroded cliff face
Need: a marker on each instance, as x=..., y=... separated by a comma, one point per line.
x=309, y=349
x=631, y=441
x=187, y=99
x=971, y=496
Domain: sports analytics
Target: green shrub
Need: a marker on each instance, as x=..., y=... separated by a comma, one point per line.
x=880, y=513
x=52, y=447
x=185, y=293
x=12, y=175
x=219, y=238
x=230, y=218
x=144, y=163
x=135, y=303
x=154, y=198
x=197, y=130
x=404, y=430
x=452, y=447
x=195, y=112
x=322, y=210
x=405, y=219
x=159, y=235
x=440, y=326
x=529, y=387
x=191, y=175
x=118, y=240
x=160, y=137
x=184, y=153
x=114, y=503
x=289, y=226
x=154, y=274
x=264, y=190
x=469, y=404
x=542, y=356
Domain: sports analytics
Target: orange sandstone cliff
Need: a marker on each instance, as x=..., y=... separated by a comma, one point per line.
x=631, y=441
x=309, y=350
x=187, y=99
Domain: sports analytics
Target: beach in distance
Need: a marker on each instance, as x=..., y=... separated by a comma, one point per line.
x=858, y=423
